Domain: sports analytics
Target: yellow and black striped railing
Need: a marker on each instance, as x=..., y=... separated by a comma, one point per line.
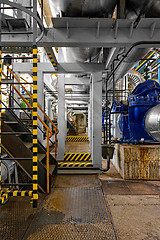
x=10, y=193
x=51, y=60
x=35, y=140
x=0, y=116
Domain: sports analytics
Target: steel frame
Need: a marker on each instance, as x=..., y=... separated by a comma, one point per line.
x=77, y=32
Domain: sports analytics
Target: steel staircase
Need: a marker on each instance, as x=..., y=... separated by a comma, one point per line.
x=18, y=144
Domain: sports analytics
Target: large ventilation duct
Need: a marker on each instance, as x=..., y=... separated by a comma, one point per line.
x=135, y=9
x=82, y=8
x=80, y=54
x=134, y=56
x=149, y=8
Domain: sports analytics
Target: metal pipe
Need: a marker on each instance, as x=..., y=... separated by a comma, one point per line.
x=127, y=53
x=108, y=165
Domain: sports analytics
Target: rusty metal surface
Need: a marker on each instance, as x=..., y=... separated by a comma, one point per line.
x=73, y=213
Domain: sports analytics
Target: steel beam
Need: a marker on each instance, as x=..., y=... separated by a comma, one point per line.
x=77, y=81
x=83, y=33
x=63, y=68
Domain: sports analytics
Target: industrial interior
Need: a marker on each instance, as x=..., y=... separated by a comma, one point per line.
x=80, y=119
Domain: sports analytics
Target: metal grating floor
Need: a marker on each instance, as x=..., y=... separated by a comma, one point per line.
x=15, y=217
x=75, y=209
x=73, y=213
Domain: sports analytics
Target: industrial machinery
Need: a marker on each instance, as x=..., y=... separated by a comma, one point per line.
x=140, y=115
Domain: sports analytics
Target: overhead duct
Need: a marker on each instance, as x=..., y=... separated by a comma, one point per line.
x=136, y=9
x=135, y=55
x=82, y=8
x=149, y=8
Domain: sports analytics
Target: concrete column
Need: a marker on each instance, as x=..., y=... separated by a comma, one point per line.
x=96, y=120
x=49, y=110
x=61, y=118
x=90, y=118
x=89, y=126
x=40, y=97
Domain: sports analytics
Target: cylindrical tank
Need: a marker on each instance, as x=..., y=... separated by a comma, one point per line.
x=152, y=122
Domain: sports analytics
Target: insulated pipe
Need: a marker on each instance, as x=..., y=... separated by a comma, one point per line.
x=137, y=8
x=134, y=10
x=82, y=8
x=127, y=54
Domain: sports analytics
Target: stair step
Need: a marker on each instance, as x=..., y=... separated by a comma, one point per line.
x=10, y=122
x=28, y=144
x=41, y=156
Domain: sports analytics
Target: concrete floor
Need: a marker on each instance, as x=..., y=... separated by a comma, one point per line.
x=77, y=147
x=134, y=206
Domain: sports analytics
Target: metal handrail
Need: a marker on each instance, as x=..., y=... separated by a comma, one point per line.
x=21, y=108
x=49, y=132
x=72, y=119
x=20, y=7
x=56, y=129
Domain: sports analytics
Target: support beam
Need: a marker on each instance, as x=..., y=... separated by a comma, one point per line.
x=83, y=33
x=62, y=68
x=96, y=120
x=62, y=124
x=77, y=81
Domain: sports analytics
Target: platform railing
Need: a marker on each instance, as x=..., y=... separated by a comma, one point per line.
x=54, y=126
x=49, y=132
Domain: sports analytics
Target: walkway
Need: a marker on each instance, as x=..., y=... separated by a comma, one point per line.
x=103, y=207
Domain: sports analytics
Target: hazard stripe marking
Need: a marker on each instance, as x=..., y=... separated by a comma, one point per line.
x=12, y=193
x=77, y=139
x=74, y=164
x=85, y=157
